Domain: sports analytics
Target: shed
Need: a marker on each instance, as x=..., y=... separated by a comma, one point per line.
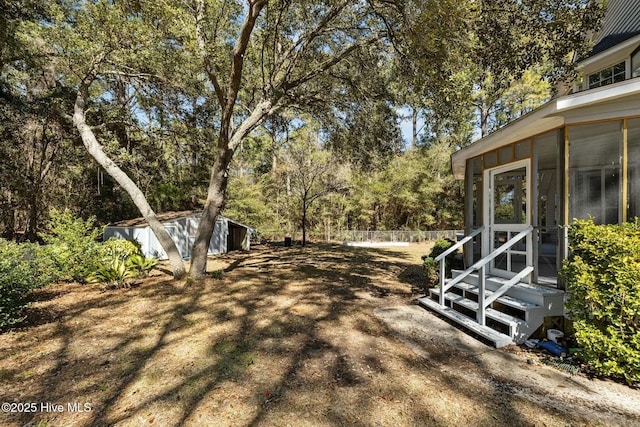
x=228, y=235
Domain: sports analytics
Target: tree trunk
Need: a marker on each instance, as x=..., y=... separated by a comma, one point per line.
x=274, y=149
x=32, y=223
x=10, y=219
x=304, y=221
x=95, y=150
x=212, y=208
x=414, y=123
x=484, y=118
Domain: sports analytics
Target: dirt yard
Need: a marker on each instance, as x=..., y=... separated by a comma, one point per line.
x=317, y=336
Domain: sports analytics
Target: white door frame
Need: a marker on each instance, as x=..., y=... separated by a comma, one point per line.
x=488, y=241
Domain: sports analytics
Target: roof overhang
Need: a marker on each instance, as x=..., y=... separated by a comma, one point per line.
x=626, y=45
x=547, y=117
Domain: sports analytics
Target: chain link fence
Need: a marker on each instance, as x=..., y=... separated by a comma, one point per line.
x=394, y=235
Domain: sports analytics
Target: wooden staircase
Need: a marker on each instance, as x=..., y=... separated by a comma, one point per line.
x=510, y=319
x=503, y=311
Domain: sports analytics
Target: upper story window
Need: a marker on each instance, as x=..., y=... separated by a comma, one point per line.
x=614, y=74
x=635, y=63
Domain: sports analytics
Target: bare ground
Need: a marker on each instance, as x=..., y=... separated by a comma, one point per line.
x=317, y=336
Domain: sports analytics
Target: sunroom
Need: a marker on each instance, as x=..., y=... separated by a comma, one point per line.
x=577, y=156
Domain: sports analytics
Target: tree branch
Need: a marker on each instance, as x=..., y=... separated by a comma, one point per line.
x=208, y=65
x=327, y=64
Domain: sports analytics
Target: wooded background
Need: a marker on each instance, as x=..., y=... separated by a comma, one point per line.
x=280, y=113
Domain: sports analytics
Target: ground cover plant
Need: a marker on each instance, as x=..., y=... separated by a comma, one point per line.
x=284, y=336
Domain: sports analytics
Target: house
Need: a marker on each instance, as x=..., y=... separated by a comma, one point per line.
x=228, y=235
x=574, y=157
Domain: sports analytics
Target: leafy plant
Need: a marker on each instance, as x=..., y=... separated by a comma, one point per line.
x=72, y=247
x=453, y=261
x=121, y=260
x=112, y=272
x=141, y=265
x=440, y=246
x=430, y=267
x=120, y=248
x=19, y=275
x=603, y=277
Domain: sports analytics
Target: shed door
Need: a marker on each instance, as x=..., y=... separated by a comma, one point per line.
x=507, y=214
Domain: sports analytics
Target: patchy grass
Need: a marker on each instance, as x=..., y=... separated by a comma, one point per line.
x=284, y=336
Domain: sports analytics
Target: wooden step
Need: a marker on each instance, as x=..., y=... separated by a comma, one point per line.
x=497, y=338
x=504, y=299
x=550, y=299
x=513, y=324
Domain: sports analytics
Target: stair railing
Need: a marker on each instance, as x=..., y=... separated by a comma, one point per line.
x=441, y=258
x=483, y=303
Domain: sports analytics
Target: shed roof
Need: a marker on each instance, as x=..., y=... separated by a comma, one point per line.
x=162, y=217
x=168, y=217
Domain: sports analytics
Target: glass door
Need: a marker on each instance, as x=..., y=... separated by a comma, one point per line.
x=508, y=213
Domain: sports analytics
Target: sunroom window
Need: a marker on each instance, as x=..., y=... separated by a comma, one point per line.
x=594, y=171
x=607, y=76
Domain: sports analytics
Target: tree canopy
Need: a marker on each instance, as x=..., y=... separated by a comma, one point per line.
x=201, y=105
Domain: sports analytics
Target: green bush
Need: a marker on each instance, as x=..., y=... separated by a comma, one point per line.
x=120, y=248
x=71, y=248
x=113, y=271
x=440, y=246
x=603, y=276
x=431, y=269
x=141, y=265
x=120, y=260
x=453, y=261
x=19, y=274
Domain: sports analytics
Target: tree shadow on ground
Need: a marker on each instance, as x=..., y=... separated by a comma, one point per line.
x=287, y=336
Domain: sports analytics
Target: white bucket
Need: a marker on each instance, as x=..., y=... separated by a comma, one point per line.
x=554, y=335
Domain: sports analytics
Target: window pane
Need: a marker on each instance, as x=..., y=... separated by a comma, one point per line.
x=619, y=77
x=616, y=73
x=522, y=150
x=635, y=64
x=475, y=168
x=594, y=180
x=505, y=154
x=490, y=160
x=545, y=151
x=510, y=197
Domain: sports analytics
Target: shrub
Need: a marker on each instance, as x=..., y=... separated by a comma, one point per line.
x=72, y=248
x=603, y=276
x=113, y=271
x=141, y=265
x=431, y=271
x=119, y=248
x=19, y=274
x=120, y=260
x=440, y=246
x=453, y=261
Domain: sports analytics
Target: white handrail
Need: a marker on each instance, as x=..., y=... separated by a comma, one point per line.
x=480, y=265
x=456, y=246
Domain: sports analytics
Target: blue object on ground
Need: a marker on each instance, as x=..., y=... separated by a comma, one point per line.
x=553, y=348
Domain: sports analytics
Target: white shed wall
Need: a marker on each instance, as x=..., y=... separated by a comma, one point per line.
x=182, y=231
